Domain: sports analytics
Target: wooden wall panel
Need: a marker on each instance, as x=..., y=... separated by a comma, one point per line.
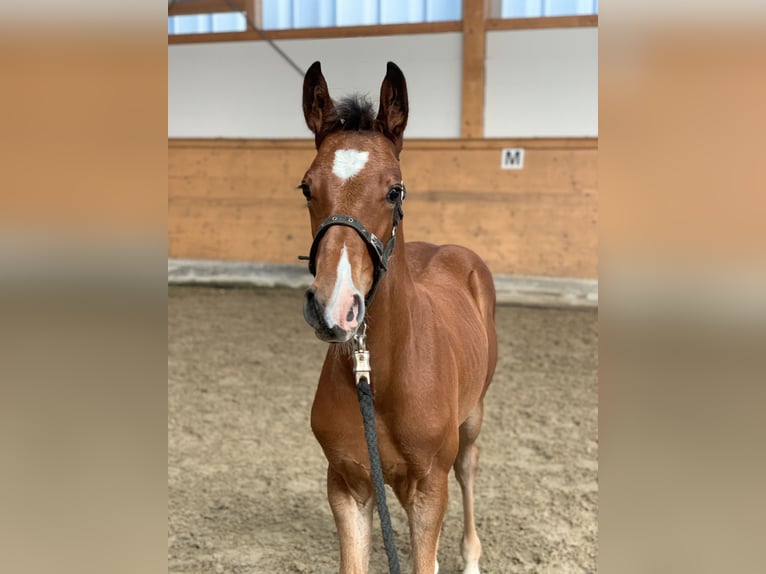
x=236, y=200
x=237, y=203
x=474, y=50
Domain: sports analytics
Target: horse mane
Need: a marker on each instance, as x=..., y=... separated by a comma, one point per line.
x=355, y=112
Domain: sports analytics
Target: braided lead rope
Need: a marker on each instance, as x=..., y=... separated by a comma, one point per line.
x=362, y=372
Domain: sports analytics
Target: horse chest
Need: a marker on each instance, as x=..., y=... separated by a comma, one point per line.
x=409, y=437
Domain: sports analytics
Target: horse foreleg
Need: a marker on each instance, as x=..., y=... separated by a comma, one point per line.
x=466, y=467
x=425, y=512
x=353, y=521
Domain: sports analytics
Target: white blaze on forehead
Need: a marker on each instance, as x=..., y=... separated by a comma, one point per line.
x=349, y=162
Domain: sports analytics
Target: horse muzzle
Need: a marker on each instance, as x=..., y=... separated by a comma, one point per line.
x=336, y=322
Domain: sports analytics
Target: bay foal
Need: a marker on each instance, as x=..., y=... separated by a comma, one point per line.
x=430, y=332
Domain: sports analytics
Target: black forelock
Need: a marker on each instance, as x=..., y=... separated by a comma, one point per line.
x=355, y=112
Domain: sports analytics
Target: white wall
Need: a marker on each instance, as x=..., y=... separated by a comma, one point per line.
x=540, y=83
x=245, y=90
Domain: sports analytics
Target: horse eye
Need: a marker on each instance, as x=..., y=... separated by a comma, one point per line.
x=394, y=193
x=304, y=187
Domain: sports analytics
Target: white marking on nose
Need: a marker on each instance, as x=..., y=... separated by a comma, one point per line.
x=349, y=162
x=342, y=295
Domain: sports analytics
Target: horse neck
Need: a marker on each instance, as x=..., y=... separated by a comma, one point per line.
x=389, y=314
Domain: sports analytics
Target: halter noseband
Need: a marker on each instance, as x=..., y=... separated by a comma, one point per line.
x=380, y=253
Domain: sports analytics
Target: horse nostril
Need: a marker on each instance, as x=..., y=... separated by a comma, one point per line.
x=311, y=309
x=356, y=311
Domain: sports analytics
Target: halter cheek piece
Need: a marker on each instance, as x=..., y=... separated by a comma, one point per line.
x=380, y=253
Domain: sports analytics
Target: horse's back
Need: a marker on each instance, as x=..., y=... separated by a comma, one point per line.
x=453, y=269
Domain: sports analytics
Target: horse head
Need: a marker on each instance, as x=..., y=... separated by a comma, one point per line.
x=354, y=193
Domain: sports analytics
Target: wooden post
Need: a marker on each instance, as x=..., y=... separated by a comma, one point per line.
x=254, y=11
x=474, y=49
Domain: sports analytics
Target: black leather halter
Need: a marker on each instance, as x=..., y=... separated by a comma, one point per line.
x=380, y=253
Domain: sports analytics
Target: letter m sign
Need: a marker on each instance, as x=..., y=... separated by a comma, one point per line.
x=512, y=158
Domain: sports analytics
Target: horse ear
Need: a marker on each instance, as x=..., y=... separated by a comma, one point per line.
x=318, y=107
x=394, y=107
